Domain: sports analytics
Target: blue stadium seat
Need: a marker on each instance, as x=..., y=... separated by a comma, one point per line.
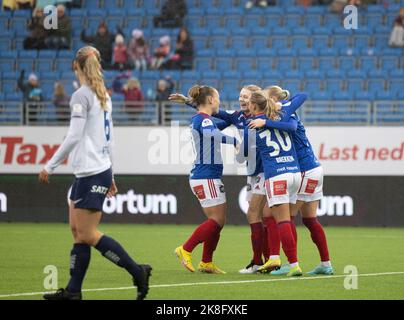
x=286, y=52
x=202, y=64
x=266, y=52
x=9, y=86
x=292, y=20
x=243, y=64
x=254, y=21
x=44, y=65
x=259, y=42
x=252, y=74
x=190, y=74
x=279, y=42
x=378, y=73
x=374, y=85
x=389, y=63
x=333, y=85
x=218, y=42
x=245, y=52
x=347, y=63
x=211, y=74
x=299, y=42
x=397, y=73
x=354, y=85
x=320, y=41
x=232, y=22
x=364, y=95
x=313, y=85
x=284, y=64
x=312, y=20
x=223, y=64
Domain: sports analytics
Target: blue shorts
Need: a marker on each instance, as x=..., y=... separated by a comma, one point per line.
x=90, y=192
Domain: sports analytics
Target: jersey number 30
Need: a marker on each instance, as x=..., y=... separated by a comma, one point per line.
x=285, y=143
x=106, y=125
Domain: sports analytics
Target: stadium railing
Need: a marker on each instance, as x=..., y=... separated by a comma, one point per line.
x=151, y=113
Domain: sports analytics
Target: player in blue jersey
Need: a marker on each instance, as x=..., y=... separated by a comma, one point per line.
x=255, y=176
x=89, y=141
x=311, y=189
x=205, y=179
x=282, y=176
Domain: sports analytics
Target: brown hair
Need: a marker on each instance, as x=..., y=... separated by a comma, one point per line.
x=278, y=93
x=252, y=87
x=59, y=90
x=199, y=94
x=265, y=104
x=88, y=60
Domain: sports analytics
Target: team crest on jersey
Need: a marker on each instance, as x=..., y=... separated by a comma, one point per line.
x=77, y=108
x=207, y=123
x=311, y=186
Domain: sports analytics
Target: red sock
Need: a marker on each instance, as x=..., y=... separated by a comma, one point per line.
x=204, y=231
x=274, y=241
x=318, y=237
x=209, y=246
x=265, y=248
x=288, y=241
x=257, y=230
x=293, y=226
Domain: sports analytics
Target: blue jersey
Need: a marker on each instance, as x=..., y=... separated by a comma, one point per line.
x=207, y=140
x=240, y=120
x=277, y=151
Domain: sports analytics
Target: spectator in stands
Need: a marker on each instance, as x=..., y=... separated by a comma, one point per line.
x=397, y=34
x=120, y=53
x=184, y=52
x=260, y=3
x=60, y=38
x=164, y=88
x=103, y=41
x=61, y=102
x=18, y=4
x=38, y=31
x=172, y=14
x=32, y=92
x=162, y=53
x=138, y=50
x=134, y=99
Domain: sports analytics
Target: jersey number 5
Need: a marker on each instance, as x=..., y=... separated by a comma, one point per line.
x=106, y=125
x=285, y=143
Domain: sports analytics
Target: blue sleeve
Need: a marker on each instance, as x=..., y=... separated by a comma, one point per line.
x=189, y=104
x=290, y=125
x=221, y=125
x=295, y=103
x=213, y=132
x=225, y=116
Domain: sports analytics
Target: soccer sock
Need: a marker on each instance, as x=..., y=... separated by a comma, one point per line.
x=288, y=241
x=257, y=231
x=318, y=237
x=265, y=248
x=79, y=261
x=293, y=226
x=114, y=252
x=201, y=234
x=274, y=241
x=210, y=244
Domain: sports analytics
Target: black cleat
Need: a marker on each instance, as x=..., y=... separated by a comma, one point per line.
x=143, y=284
x=63, y=294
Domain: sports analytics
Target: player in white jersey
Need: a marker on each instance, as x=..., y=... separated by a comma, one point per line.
x=89, y=143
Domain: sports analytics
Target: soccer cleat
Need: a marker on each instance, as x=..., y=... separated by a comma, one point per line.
x=209, y=267
x=143, y=283
x=295, y=272
x=63, y=294
x=283, y=270
x=320, y=269
x=250, y=269
x=185, y=258
x=271, y=264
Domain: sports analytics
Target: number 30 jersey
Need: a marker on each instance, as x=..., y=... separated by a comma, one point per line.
x=92, y=136
x=277, y=151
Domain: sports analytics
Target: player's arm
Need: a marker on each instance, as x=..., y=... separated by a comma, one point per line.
x=79, y=106
x=242, y=156
x=210, y=131
x=294, y=103
x=290, y=125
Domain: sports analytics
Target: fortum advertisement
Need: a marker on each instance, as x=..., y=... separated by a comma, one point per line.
x=363, y=185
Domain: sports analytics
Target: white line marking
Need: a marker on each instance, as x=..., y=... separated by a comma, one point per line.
x=217, y=283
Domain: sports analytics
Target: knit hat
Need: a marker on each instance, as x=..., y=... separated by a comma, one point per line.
x=165, y=40
x=137, y=33
x=119, y=39
x=32, y=77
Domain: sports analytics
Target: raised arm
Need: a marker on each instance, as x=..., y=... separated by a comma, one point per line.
x=293, y=104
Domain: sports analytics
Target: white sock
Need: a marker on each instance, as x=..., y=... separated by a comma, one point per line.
x=274, y=257
x=292, y=265
x=326, y=263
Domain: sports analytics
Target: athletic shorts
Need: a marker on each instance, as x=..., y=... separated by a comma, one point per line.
x=90, y=192
x=311, y=188
x=283, y=188
x=255, y=185
x=210, y=192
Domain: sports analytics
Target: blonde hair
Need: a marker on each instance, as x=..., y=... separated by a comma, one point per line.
x=199, y=94
x=265, y=104
x=88, y=61
x=277, y=92
x=251, y=88
x=59, y=89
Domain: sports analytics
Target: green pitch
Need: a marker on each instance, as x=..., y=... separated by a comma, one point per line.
x=377, y=253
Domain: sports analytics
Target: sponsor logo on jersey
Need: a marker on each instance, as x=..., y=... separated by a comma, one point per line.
x=135, y=203
x=99, y=189
x=311, y=186
x=200, y=192
x=280, y=187
x=3, y=202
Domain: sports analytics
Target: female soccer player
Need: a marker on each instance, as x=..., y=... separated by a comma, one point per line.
x=90, y=141
x=205, y=179
x=282, y=175
x=255, y=175
x=311, y=188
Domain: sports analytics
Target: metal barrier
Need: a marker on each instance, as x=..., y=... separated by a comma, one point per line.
x=149, y=113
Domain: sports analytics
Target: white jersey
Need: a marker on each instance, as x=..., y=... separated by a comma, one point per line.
x=90, y=137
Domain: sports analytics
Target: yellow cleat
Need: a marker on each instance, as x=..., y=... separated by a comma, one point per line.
x=185, y=258
x=209, y=267
x=295, y=272
x=270, y=265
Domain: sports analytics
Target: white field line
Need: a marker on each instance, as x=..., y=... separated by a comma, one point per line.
x=188, y=284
